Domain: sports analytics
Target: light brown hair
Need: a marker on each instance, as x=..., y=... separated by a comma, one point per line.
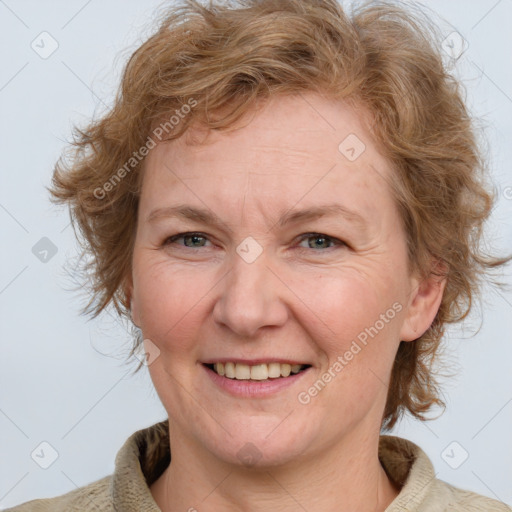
x=222, y=58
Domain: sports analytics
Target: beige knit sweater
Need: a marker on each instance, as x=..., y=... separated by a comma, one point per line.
x=145, y=455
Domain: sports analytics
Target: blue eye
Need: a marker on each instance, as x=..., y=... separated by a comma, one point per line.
x=194, y=238
x=320, y=241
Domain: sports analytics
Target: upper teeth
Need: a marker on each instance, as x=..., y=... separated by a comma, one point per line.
x=263, y=371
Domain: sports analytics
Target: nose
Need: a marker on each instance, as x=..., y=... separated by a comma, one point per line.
x=251, y=297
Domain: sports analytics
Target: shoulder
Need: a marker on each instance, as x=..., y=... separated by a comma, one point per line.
x=461, y=500
x=93, y=497
x=409, y=466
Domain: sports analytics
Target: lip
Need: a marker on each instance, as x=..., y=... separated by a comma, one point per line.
x=253, y=388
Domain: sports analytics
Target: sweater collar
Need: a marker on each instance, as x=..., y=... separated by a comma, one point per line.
x=408, y=466
x=139, y=462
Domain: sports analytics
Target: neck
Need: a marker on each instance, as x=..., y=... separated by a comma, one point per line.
x=339, y=479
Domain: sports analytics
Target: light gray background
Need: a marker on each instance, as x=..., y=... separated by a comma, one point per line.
x=62, y=379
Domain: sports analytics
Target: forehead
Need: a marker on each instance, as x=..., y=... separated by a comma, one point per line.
x=302, y=127
x=299, y=148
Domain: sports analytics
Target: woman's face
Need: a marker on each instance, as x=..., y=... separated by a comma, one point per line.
x=265, y=278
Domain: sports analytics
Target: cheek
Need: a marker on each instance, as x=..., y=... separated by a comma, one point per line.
x=169, y=301
x=356, y=327
x=345, y=305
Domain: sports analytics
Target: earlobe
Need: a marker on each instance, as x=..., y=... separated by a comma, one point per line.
x=426, y=297
x=134, y=313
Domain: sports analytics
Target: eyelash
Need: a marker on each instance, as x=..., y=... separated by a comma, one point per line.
x=172, y=239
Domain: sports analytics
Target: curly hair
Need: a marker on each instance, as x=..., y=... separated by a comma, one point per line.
x=211, y=64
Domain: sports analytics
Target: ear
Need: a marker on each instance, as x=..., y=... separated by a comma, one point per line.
x=426, y=297
x=128, y=291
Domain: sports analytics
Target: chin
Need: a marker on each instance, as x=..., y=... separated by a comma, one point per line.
x=261, y=442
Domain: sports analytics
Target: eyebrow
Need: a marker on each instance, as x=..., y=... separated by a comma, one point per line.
x=288, y=217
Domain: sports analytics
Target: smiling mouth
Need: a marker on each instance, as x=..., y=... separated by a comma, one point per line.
x=259, y=372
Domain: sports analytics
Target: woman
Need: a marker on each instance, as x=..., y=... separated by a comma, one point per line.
x=287, y=203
